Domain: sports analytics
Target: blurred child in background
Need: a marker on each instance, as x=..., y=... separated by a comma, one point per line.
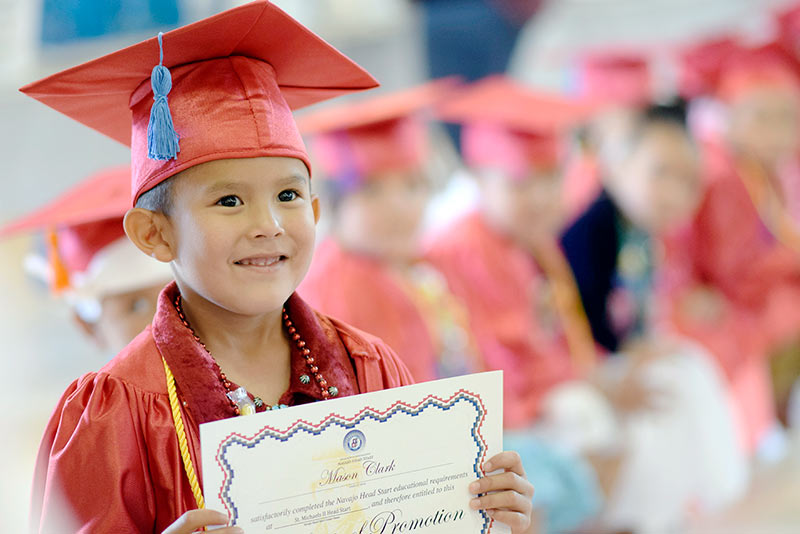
x=494, y=257
x=742, y=264
x=615, y=82
x=651, y=176
x=374, y=160
x=111, y=287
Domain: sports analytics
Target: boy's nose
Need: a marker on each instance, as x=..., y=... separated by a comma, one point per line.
x=265, y=224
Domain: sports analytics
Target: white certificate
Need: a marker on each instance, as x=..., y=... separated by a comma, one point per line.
x=389, y=462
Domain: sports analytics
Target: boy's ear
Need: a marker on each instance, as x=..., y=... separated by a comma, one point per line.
x=151, y=233
x=316, y=207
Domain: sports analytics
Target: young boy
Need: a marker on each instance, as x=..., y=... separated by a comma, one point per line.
x=502, y=262
x=651, y=187
x=373, y=156
x=111, y=287
x=495, y=258
x=225, y=198
x=615, y=81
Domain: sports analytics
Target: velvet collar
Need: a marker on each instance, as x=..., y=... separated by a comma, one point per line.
x=196, y=375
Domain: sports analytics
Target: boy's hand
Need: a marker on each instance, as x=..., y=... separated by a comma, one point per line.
x=195, y=520
x=506, y=496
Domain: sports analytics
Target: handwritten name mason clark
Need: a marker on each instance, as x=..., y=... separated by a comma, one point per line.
x=369, y=468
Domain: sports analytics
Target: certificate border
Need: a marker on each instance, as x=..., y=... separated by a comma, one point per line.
x=462, y=395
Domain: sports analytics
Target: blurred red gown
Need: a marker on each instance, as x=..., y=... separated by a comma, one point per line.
x=109, y=459
x=732, y=250
x=505, y=293
x=364, y=292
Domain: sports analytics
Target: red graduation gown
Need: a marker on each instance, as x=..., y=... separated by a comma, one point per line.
x=737, y=253
x=109, y=458
x=501, y=285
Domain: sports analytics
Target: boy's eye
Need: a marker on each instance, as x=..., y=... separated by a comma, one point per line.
x=230, y=201
x=287, y=196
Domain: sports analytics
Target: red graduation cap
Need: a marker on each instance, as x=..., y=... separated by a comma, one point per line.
x=89, y=253
x=747, y=68
x=227, y=84
x=81, y=222
x=700, y=65
x=103, y=195
x=727, y=68
x=359, y=140
x=615, y=77
x=511, y=127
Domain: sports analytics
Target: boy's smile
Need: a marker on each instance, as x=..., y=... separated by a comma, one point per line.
x=262, y=263
x=242, y=231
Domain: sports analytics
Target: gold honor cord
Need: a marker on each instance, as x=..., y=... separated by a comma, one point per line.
x=181, y=432
x=569, y=307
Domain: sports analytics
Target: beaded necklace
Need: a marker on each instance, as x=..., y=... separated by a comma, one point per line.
x=327, y=391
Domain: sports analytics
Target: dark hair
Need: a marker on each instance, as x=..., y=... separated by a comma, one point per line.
x=671, y=115
x=614, y=148
x=671, y=112
x=158, y=199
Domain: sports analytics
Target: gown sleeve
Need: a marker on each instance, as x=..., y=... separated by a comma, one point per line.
x=91, y=472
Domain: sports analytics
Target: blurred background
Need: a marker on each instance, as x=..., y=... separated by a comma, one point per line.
x=402, y=43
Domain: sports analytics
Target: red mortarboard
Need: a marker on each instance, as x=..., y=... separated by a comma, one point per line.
x=79, y=244
x=700, y=66
x=511, y=126
x=386, y=133
x=747, y=68
x=235, y=76
x=83, y=222
x=727, y=68
x=615, y=78
x=104, y=195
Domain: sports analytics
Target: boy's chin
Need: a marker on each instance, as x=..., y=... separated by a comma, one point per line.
x=255, y=303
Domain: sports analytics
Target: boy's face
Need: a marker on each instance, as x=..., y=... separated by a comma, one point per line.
x=383, y=216
x=764, y=123
x=529, y=210
x=660, y=183
x=242, y=231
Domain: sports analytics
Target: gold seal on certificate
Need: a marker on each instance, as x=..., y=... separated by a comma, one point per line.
x=389, y=462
